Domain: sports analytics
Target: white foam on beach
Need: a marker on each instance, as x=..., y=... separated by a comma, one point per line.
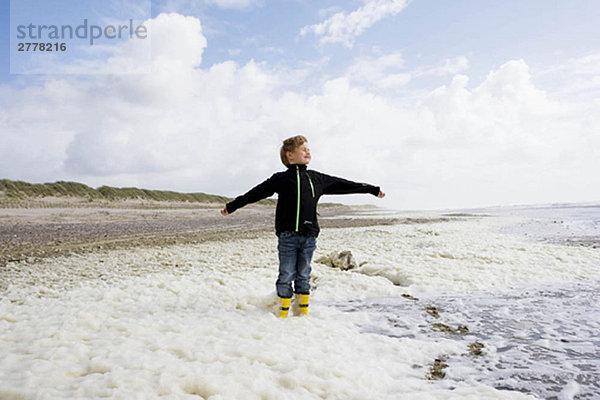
x=198, y=321
x=540, y=339
x=459, y=256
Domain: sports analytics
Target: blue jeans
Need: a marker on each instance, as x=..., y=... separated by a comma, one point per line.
x=295, y=254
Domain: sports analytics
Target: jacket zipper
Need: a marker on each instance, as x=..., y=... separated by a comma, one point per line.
x=298, y=201
x=312, y=188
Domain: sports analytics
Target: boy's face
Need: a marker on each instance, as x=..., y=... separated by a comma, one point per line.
x=299, y=156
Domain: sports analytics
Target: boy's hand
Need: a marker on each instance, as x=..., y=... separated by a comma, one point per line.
x=381, y=195
x=224, y=211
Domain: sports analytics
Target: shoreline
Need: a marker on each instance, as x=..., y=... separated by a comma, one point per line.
x=53, y=227
x=30, y=234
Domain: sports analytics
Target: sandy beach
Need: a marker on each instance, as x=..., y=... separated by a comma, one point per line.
x=180, y=304
x=30, y=232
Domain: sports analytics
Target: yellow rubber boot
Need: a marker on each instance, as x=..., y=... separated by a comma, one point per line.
x=302, y=303
x=285, y=307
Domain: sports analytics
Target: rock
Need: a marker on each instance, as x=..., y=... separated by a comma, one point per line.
x=436, y=371
x=443, y=328
x=475, y=349
x=343, y=260
x=433, y=311
x=462, y=329
x=409, y=297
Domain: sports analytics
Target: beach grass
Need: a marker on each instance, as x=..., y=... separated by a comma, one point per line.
x=19, y=190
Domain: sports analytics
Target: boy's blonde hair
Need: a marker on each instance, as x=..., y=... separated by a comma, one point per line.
x=291, y=144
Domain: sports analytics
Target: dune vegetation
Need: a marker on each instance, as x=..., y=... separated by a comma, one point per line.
x=23, y=190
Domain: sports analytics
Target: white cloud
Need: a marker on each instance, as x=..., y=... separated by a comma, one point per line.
x=218, y=130
x=186, y=51
x=505, y=141
x=384, y=71
x=577, y=77
x=329, y=11
x=449, y=66
x=585, y=65
x=389, y=71
x=345, y=28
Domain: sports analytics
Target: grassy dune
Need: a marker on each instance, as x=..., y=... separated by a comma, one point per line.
x=14, y=192
x=24, y=190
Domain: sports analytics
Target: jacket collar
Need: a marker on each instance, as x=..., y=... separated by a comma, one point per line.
x=302, y=167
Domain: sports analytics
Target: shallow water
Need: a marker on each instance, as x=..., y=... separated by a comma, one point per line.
x=566, y=224
x=542, y=340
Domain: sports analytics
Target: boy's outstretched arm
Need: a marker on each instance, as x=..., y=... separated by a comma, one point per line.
x=259, y=192
x=335, y=185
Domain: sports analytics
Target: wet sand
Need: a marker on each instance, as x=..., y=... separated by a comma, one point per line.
x=27, y=234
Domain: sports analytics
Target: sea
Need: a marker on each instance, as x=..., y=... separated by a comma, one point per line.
x=539, y=339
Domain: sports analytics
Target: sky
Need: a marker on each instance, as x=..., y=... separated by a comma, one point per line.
x=444, y=104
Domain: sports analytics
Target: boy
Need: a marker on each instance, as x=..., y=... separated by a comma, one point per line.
x=296, y=225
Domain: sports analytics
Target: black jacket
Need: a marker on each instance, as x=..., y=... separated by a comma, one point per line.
x=298, y=192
